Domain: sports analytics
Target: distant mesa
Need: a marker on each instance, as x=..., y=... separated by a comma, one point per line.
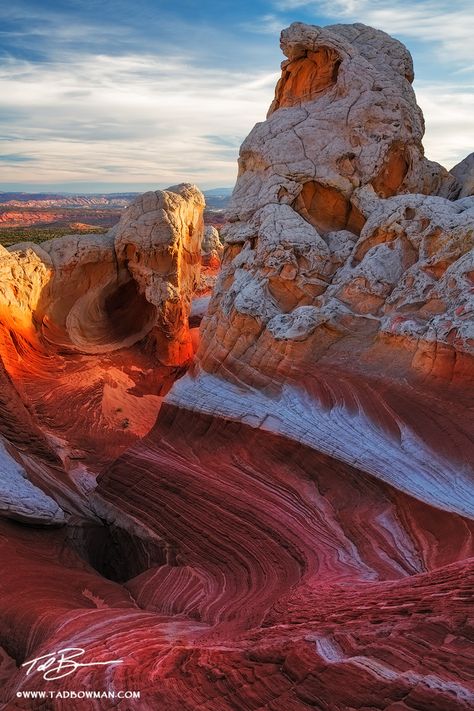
x=58, y=211
x=81, y=227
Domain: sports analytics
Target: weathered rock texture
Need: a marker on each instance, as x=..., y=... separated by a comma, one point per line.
x=338, y=222
x=96, y=294
x=464, y=173
x=212, y=248
x=295, y=531
x=159, y=240
x=93, y=331
x=275, y=578
x=347, y=252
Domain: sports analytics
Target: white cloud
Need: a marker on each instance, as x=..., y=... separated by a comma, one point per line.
x=448, y=112
x=141, y=118
x=129, y=119
x=265, y=25
x=448, y=24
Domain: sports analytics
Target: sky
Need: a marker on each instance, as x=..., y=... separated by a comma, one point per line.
x=118, y=95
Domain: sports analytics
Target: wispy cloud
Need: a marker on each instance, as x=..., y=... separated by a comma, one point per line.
x=13, y=158
x=448, y=24
x=265, y=25
x=144, y=93
x=153, y=119
x=448, y=111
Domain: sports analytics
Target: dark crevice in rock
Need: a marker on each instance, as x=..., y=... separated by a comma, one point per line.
x=114, y=552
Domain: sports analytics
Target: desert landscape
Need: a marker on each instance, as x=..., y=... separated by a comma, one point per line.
x=42, y=217
x=236, y=433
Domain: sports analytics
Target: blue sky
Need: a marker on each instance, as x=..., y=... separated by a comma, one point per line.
x=106, y=95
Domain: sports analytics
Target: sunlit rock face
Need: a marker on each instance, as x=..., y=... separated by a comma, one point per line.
x=348, y=259
x=294, y=531
x=338, y=222
x=158, y=239
x=93, y=331
x=97, y=294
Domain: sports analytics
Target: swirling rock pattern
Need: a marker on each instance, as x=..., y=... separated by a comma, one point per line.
x=93, y=331
x=96, y=294
x=346, y=251
x=285, y=579
x=295, y=530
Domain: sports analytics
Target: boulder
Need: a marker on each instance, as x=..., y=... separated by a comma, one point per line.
x=99, y=293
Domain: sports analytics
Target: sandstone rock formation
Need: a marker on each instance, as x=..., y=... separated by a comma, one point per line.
x=275, y=577
x=295, y=530
x=464, y=174
x=212, y=247
x=344, y=254
x=20, y=499
x=92, y=331
x=159, y=240
x=96, y=294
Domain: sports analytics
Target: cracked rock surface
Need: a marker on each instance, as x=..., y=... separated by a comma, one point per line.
x=289, y=525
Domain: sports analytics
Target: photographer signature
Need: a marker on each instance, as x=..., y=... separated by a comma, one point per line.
x=62, y=663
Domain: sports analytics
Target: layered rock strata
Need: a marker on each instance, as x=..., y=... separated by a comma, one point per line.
x=282, y=578
x=93, y=331
x=295, y=531
x=346, y=281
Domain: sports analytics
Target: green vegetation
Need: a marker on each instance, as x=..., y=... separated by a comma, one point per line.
x=13, y=235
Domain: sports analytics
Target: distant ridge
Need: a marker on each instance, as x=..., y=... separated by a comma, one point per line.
x=63, y=199
x=16, y=194
x=218, y=192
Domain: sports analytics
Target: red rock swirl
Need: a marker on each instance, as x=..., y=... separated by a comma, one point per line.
x=276, y=572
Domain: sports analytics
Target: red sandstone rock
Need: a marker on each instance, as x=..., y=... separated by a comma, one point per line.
x=343, y=252
x=286, y=579
x=91, y=338
x=295, y=531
